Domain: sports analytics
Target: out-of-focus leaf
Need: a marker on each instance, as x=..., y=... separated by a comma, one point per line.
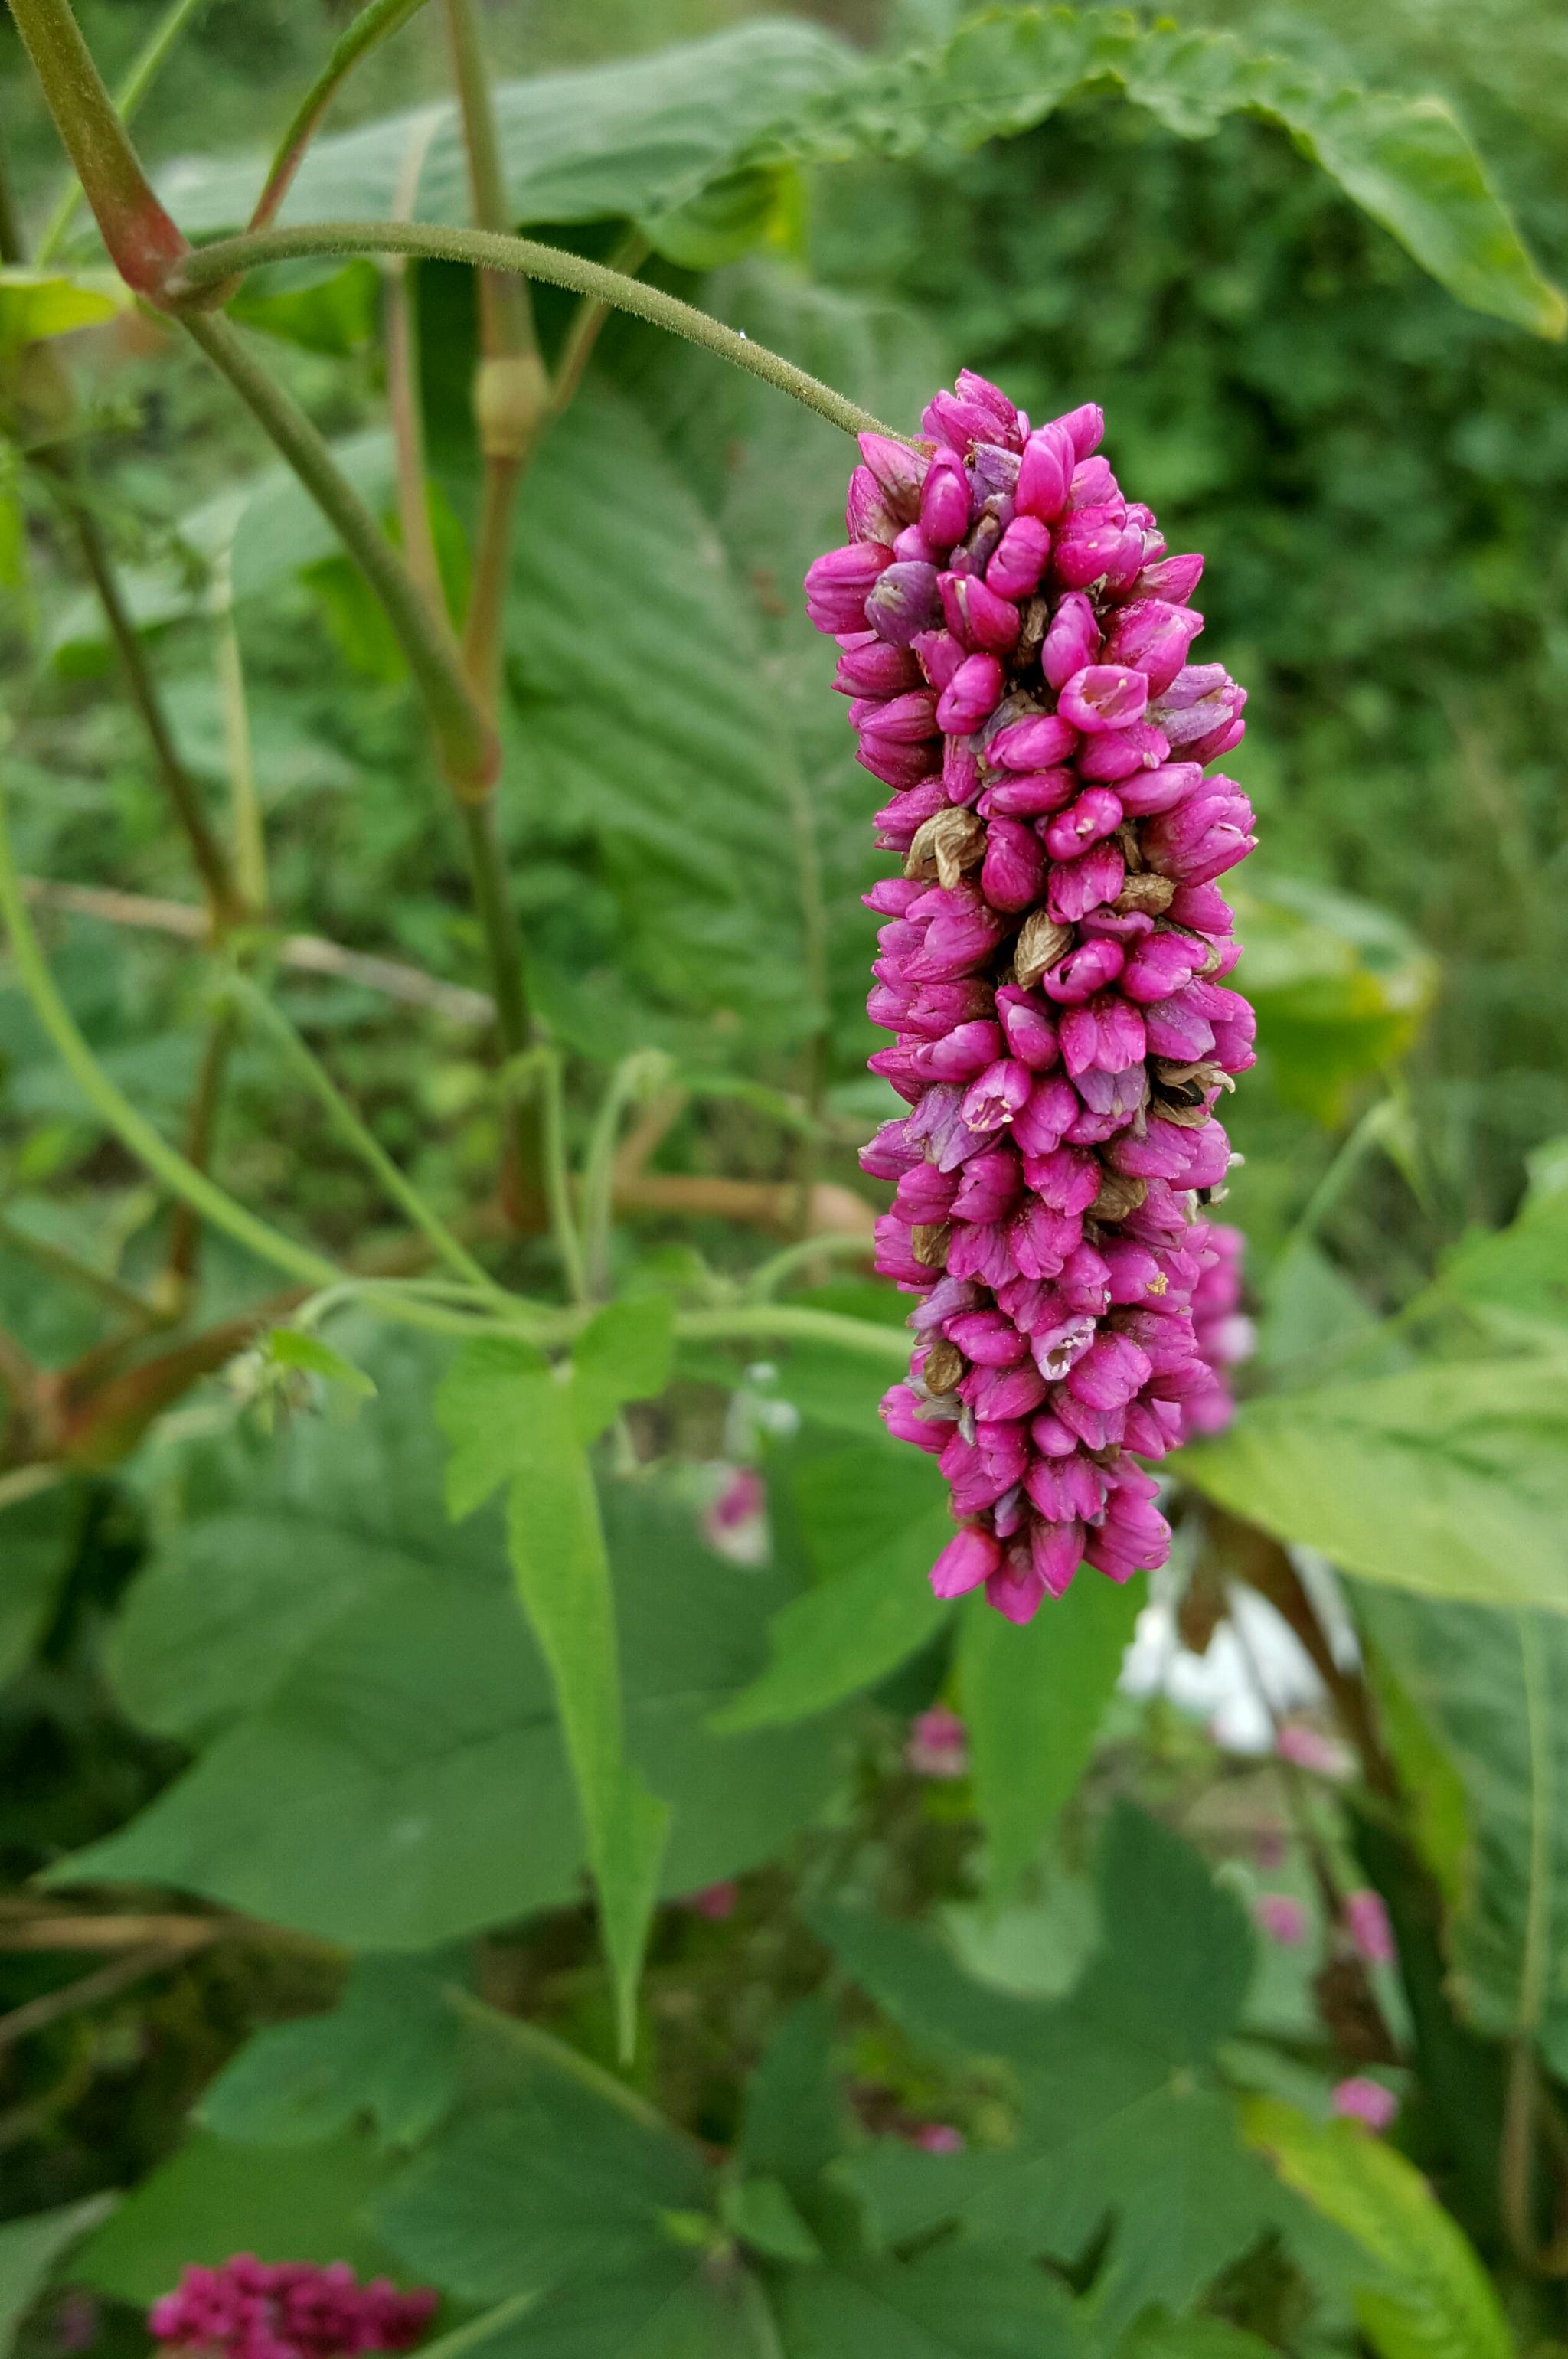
x=623, y=1355
x=29, y=2249
x=674, y=763
x=559, y=2185
x=1191, y=2338
x=1491, y=1687
x=213, y=2199
x=1518, y=1275
x=1308, y=1303
x=1425, y=2294
x=325, y=308
x=964, y=2302
x=389, y=2049
x=1341, y=988
x=760, y=2212
x=391, y=1772
x=39, y=303
x=36, y=1535
x=793, y=2123
x=634, y=140
x=1033, y=1700
x=676, y=2304
x=1406, y=161
x=873, y=1519
x=13, y=522
x=1451, y=1481
x=294, y=1347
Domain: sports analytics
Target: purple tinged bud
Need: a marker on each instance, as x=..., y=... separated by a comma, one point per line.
x=1104, y=1035
x=1204, y=907
x=906, y=720
x=866, y=514
x=971, y=696
x=1042, y=1238
x=894, y=762
x=912, y=547
x=924, y=1196
x=1079, y=885
x=947, y=1298
x=944, y=501
x=895, y=1255
x=1178, y=1029
x=897, y=1066
x=869, y=667
x=961, y=775
x=1202, y=706
x=1012, y=875
x=1029, y=794
x=1029, y=1027
x=1085, y=1281
x=1160, y=789
x=1154, y=637
x=891, y=896
x=1045, y=472
x=993, y=474
x=971, y=1557
x=1084, y=427
x=899, y=821
x=991, y=1102
x=989, y=1186
x=891, y=1153
x=1056, y=1551
x=1097, y=1429
x=1135, y=1271
x=1071, y=640
x=966, y=1050
x=959, y=936
x=1175, y=578
x=1000, y=1395
x=898, y=471
x=903, y=602
x=978, y=411
x=1103, y=696
x=1066, y=1181
x=1111, y=1372
x=1224, y=738
x=1203, y=836
x=1015, y=1589
x=1096, y=814
x=939, y=655
x=1121, y=753
x=982, y=1250
x=976, y=615
x=981, y=1470
x=899, y=1411
x=1052, y=1104
x=1037, y=742
x=938, y=1006
x=838, y=585
x=1020, y=559
x=1161, y=965
x=1094, y=486
x=988, y=1338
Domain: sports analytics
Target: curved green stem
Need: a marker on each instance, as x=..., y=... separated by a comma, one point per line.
x=784, y=1322
x=371, y=25
x=539, y=1069
x=230, y=257
x=769, y=1275
x=116, y=1111
x=634, y=1079
x=254, y=1004
x=127, y=98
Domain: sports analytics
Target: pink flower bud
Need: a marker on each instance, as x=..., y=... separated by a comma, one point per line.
x=903, y=602
x=1029, y=1027
x=1021, y=558
x=971, y=696
x=1175, y=578
x=1160, y=789
x=1366, y=1922
x=1102, y=696
x=988, y=1338
x=1071, y=640
x=990, y=1102
x=1102, y=1035
x=1035, y=743
x=960, y=1054
x=1083, y=972
x=1012, y=875
x=1097, y=814
x=1081, y=885
x=1120, y=753
x=1045, y=472
x=838, y=585
x=898, y=471
x=1000, y=1394
x=1027, y=794
x=989, y=1186
x=1038, y=1127
x=1153, y=636
x=1161, y=965
x=969, y=1558
x=1086, y=427
x=1203, y=836
x=1066, y=1181
x=869, y=667
x=1041, y=1239
x=976, y=615
x=978, y=412
x=944, y=501
x=867, y=513
x=1359, y=2099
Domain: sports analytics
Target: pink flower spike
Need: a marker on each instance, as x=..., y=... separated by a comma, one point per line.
x=1366, y=1922
x=1282, y=1919
x=1362, y=2100
x=938, y=1744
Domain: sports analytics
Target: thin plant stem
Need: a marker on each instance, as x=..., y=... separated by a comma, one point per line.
x=464, y=739
x=244, y=994
x=784, y=1322
x=202, y=1124
x=128, y=98
x=371, y=27
x=247, y=832
x=405, y=403
x=212, y=266
x=115, y=1110
x=539, y=1070
x=586, y=323
x=218, y=881
x=769, y=1275
x=634, y=1079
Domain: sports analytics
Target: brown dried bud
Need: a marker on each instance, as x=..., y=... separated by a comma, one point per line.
x=1041, y=943
x=929, y=1243
x=1185, y=1117
x=1204, y=1075
x=1147, y=892
x=1119, y=1196
x=945, y=845
x=945, y=1365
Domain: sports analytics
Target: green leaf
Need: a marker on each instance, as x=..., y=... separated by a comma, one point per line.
x=29, y=2249
x=1341, y=988
x=1405, y=161
x=389, y=2049
x=1491, y=1690
x=1451, y=1481
x=964, y=2302
x=384, y=1765
x=1518, y=1275
x=759, y=2211
x=559, y=2185
x=670, y=2306
x=211, y=2200
x=39, y=303
x=1163, y=2337
x=1424, y=2294
x=873, y=1518
x=623, y=1355
x=483, y=1405
x=1033, y=1700
x=292, y=1347
x=629, y=140
x=793, y=2122
x=37, y=1536
x=12, y=519
x=1177, y=1951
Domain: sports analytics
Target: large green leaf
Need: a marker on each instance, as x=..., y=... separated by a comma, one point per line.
x=1341, y=988
x=1408, y=162
x=211, y=2200
x=634, y=140
x=1517, y=1277
x=1451, y=1481
x=1033, y=1700
x=964, y=2302
x=391, y=1772
x=1492, y=1688
x=39, y=303
x=672, y=2305
x=29, y=2250
x=1424, y=2294
x=674, y=762
x=873, y=1518
x=389, y=2049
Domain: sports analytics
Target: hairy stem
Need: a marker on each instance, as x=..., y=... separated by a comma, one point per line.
x=230, y=257
x=128, y=98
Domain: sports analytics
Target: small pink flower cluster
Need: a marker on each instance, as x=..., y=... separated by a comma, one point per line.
x=1014, y=640
x=248, y=2308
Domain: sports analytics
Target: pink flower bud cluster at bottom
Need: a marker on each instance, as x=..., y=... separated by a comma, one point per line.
x=248, y=2308
x=1014, y=640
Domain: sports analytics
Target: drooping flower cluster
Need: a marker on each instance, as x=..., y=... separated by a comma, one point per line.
x=1014, y=640
x=248, y=2308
